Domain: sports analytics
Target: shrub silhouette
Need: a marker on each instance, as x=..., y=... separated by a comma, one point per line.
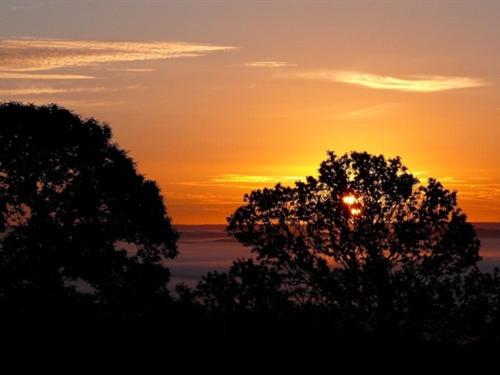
x=246, y=286
x=365, y=241
x=78, y=223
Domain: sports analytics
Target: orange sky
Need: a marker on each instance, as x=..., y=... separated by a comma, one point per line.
x=214, y=99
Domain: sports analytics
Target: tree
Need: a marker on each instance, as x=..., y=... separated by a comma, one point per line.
x=365, y=238
x=246, y=287
x=77, y=221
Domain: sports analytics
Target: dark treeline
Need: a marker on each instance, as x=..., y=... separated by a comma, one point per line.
x=363, y=253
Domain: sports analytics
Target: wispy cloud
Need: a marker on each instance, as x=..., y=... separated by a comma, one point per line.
x=269, y=64
x=206, y=198
x=420, y=173
x=136, y=87
x=240, y=178
x=33, y=55
x=479, y=192
x=451, y=180
x=30, y=76
x=412, y=84
x=77, y=104
x=127, y=70
x=51, y=90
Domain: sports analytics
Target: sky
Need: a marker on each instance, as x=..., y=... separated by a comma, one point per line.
x=216, y=98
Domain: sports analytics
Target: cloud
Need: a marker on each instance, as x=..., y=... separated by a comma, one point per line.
x=128, y=70
x=33, y=54
x=207, y=198
x=419, y=173
x=51, y=90
x=411, y=84
x=136, y=87
x=239, y=178
x=77, y=104
x=450, y=180
x=21, y=76
x=268, y=64
x=478, y=191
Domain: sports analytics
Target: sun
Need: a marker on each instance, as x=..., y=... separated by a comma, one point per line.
x=353, y=202
x=349, y=199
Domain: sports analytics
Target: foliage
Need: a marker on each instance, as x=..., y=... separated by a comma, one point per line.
x=77, y=221
x=367, y=241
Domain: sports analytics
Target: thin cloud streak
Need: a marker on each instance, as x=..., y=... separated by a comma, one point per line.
x=51, y=90
x=30, y=76
x=239, y=178
x=86, y=103
x=127, y=70
x=33, y=54
x=268, y=64
x=410, y=84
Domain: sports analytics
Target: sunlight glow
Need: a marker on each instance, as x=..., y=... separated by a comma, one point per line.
x=355, y=211
x=353, y=202
x=349, y=199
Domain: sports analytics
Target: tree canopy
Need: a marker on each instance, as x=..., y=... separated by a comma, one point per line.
x=365, y=239
x=77, y=220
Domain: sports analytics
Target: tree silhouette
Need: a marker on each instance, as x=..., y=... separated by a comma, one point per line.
x=365, y=239
x=246, y=287
x=77, y=221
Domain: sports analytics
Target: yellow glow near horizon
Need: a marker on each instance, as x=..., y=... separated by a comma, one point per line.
x=236, y=97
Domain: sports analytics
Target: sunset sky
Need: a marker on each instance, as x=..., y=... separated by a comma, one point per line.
x=216, y=98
